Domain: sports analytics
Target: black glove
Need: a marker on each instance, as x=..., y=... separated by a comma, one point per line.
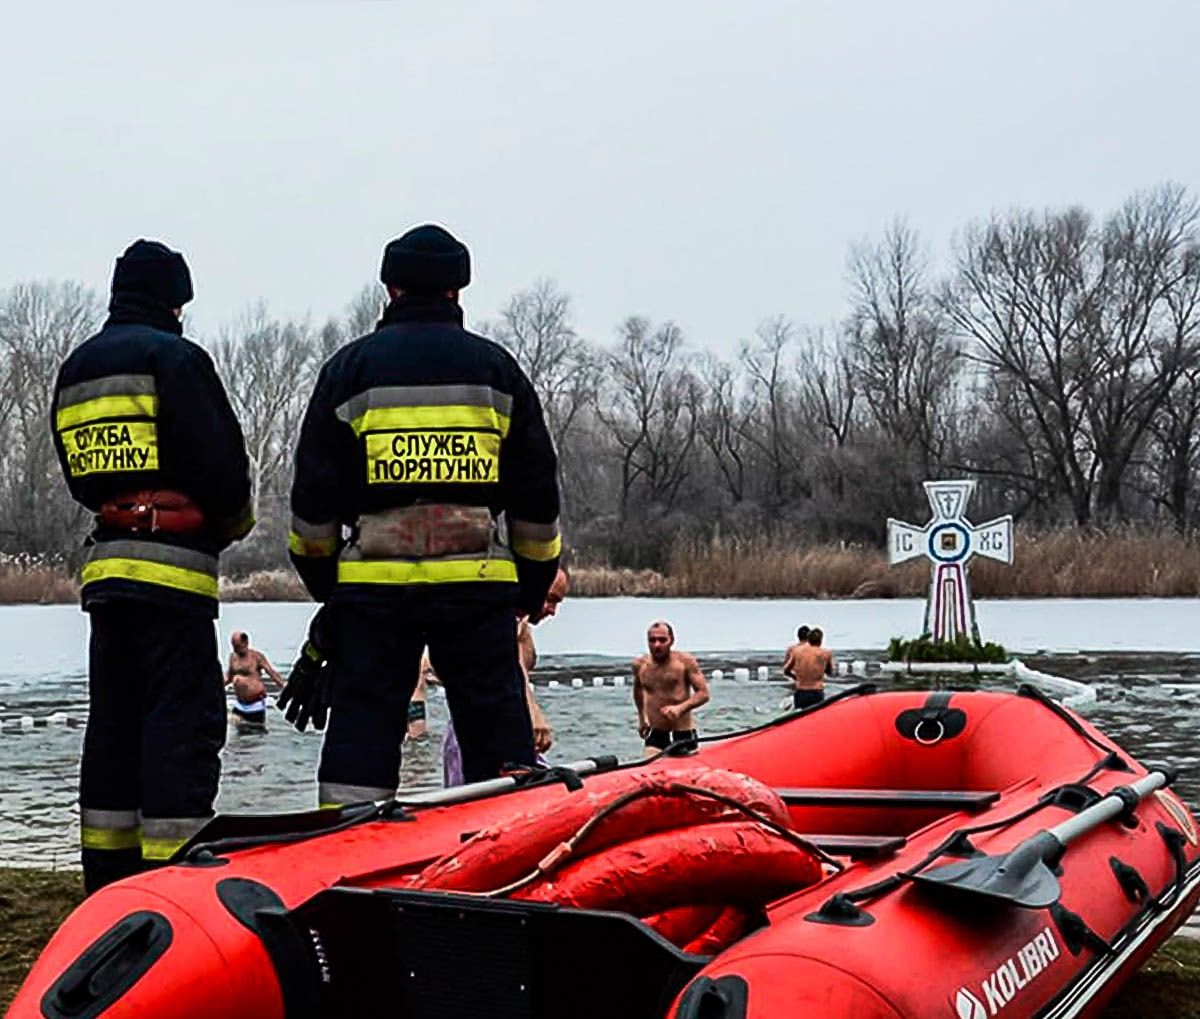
x=307, y=694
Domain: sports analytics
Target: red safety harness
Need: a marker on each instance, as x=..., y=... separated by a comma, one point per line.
x=152, y=510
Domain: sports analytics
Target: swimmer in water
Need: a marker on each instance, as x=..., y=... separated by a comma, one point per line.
x=247, y=666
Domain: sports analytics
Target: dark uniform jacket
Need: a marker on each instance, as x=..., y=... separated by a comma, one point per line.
x=422, y=411
x=138, y=407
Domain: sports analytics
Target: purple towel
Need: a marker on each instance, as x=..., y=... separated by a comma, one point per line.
x=452, y=768
x=452, y=773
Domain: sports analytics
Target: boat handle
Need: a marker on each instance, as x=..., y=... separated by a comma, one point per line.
x=941, y=731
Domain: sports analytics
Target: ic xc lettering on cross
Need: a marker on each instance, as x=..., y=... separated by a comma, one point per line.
x=949, y=541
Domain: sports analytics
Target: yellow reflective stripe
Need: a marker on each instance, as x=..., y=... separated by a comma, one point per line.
x=452, y=416
x=425, y=571
x=331, y=806
x=540, y=551
x=160, y=849
x=110, y=838
x=177, y=577
x=130, y=405
x=314, y=547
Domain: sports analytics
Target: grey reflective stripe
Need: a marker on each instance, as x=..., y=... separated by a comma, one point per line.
x=110, y=385
x=425, y=396
x=112, y=820
x=317, y=531
x=176, y=828
x=154, y=552
x=532, y=531
x=354, y=553
x=336, y=792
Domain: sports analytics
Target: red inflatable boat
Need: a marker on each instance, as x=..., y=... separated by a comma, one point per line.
x=880, y=855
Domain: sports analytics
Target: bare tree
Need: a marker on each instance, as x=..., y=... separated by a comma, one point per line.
x=765, y=360
x=649, y=406
x=1143, y=330
x=905, y=358
x=535, y=325
x=363, y=312
x=1088, y=330
x=1175, y=453
x=264, y=364
x=359, y=317
x=723, y=423
x=1023, y=295
x=1059, y=363
x=39, y=325
x=827, y=391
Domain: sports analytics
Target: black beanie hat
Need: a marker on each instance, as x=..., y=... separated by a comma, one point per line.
x=426, y=260
x=153, y=270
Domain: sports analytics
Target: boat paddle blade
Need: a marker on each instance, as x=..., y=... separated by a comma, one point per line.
x=1021, y=877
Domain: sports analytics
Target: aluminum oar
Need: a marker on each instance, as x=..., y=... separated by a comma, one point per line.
x=461, y=793
x=1023, y=876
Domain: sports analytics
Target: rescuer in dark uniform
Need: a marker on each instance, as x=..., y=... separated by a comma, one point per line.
x=148, y=442
x=426, y=443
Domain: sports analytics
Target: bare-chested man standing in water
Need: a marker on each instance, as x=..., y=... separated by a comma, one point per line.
x=246, y=668
x=667, y=686
x=418, y=724
x=806, y=665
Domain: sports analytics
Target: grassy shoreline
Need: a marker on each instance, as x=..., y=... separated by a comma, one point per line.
x=1054, y=564
x=34, y=902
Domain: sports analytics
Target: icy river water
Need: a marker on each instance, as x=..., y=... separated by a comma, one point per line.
x=1143, y=656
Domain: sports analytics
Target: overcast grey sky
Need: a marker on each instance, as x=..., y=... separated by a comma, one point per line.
x=698, y=161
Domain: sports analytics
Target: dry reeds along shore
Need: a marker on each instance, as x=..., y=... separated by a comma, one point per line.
x=1052, y=564
x=35, y=580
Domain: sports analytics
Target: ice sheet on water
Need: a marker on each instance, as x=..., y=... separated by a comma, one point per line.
x=41, y=641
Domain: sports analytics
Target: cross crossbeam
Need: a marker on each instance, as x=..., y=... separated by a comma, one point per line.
x=949, y=541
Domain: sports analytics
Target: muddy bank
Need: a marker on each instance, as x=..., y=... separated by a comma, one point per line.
x=34, y=902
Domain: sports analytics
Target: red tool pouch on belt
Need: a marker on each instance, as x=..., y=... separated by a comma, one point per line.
x=155, y=510
x=426, y=529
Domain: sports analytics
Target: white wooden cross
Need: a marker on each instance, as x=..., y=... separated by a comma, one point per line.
x=949, y=541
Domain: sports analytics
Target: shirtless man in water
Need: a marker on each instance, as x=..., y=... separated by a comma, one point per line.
x=806, y=665
x=245, y=672
x=667, y=686
x=418, y=725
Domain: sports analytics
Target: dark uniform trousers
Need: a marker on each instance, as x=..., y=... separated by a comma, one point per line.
x=155, y=729
x=471, y=635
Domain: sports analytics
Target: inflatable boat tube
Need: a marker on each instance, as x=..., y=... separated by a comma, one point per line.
x=684, y=923
x=730, y=924
x=720, y=863
x=511, y=849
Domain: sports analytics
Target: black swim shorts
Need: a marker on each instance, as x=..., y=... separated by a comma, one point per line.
x=660, y=739
x=806, y=698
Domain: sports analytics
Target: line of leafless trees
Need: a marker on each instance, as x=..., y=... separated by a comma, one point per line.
x=1054, y=356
